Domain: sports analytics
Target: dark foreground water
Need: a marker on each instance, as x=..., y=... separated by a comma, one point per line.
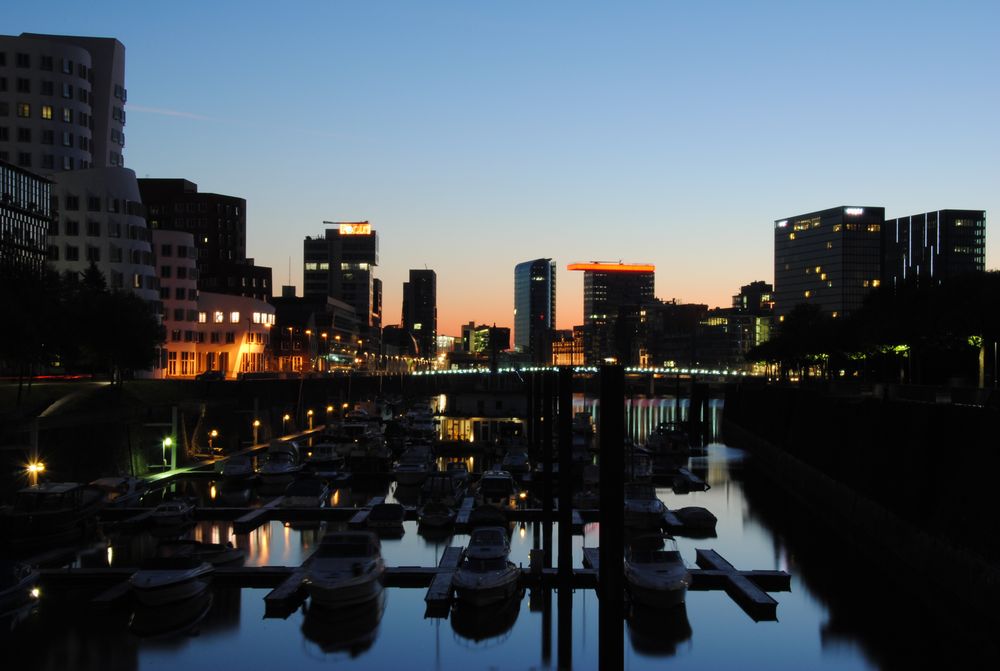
x=828, y=621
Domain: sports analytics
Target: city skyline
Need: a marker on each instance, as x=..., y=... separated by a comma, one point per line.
x=487, y=136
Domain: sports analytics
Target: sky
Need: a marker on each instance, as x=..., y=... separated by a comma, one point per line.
x=476, y=135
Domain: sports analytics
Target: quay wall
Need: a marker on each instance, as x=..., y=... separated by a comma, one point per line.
x=913, y=482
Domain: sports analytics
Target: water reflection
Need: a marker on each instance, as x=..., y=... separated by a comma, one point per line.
x=479, y=624
x=170, y=620
x=657, y=632
x=350, y=630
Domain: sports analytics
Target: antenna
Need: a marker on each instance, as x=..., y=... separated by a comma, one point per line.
x=289, y=271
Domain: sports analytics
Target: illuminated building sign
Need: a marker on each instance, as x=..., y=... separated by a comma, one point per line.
x=356, y=228
x=613, y=267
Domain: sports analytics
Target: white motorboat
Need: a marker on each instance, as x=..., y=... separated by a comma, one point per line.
x=496, y=488
x=169, y=580
x=414, y=466
x=173, y=513
x=346, y=569
x=120, y=492
x=656, y=577
x=50, y=513
x=459, y=472
x=238, y=469
x=516, y=463
x=486, y=575
x=443, y=488
x=434, y=515
x=281, y=464
x=642, y=507
x=216, y=554
x=325, y=457
x=387, y=518
x=306, y=493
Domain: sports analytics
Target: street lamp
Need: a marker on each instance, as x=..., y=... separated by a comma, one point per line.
x=212, y=435
x=256, y=426
x=34, y=469
x=168, y=444
x=309, y=414
x=284, y=422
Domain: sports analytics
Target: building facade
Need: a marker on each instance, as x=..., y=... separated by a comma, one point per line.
x=830, y=258
x=615, y=297
x=420, y=310
x=934, y=246
x=25, y=218
x=176, y=267
x=340, y=264
x=535, y=308
x=218, y=224
x=62, y=102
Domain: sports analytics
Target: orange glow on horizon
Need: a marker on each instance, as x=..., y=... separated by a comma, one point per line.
x=613, y=267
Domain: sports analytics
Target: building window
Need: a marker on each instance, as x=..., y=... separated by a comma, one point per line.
x=202, y=317
x=182, y=272
x=180, y=293
x=93, y=228
x=24, y=159
x=93, y=204
x=94, y=254
x=53, y=253
x=213, y=338
x=230, y=337
x=67, y=139
x=23, y=110
x=48, y=137
x=72, y=253
x=172, y=358
x=165, y=272
x=24, y=135
x=218, y=317
x=48, y=89
x=67, y=115
x=67, y=66
x=234, y=317
x=46, y=63
x=23, y=61
x=23, y=85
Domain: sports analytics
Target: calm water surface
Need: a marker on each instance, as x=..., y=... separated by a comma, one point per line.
x=712, y=632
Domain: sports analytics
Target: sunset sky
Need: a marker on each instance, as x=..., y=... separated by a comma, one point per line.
x=475, y=135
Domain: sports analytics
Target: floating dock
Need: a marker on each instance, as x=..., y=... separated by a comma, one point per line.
x=438, y=597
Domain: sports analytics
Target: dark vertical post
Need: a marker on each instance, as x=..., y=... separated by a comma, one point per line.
x=546, y=626
x=548, y=397
x=565, y=480
x=611, y=578
x=565, y=432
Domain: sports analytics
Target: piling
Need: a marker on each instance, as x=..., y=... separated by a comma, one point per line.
x=565, y=482
x=548, y=422
x=611, y=586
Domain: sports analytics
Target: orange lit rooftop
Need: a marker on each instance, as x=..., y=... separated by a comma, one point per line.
x=606, y=267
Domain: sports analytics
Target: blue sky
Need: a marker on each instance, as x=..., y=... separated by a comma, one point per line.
x=475, y=135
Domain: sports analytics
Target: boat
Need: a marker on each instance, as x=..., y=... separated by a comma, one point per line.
x=164, y=580
x=173, y=513
x=669, y=443
x=414, y=466
x=486, y=576
x=443, y=488
x=516, y=463
x=346, y=569
x=642, y=507
x=638, y=463
x=496, y=488
x=655, y=577
x=481, y=624
x=121, y=491
x=436, y=515
x=325, y=457
x=50, y=513
x=172, y=619
x=281, y=464
x=459, y=472
x=419, y=422
x=386, y=518
x=306, y=493
x=17, y=587
x=238, y=469
x=216, y=554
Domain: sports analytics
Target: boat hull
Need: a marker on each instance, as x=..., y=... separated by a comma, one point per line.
x=479, y=589
x=344, y=593
x=173, y=593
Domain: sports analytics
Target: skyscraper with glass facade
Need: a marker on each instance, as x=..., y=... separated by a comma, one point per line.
x=535, y=308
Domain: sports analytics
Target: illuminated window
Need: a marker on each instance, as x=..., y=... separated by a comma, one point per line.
x=875, y=283
x=218, y=317
x=234, y=317
x=202, y=317
x=417, y=327
x=836, y=228
x=791, y=236
x=23, y=110
x=256, y=317
x=312, y=266
x=47, y=112
x=807, y=293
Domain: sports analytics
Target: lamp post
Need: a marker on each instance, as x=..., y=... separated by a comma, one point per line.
x=256, y=427
x=309, y=414
x=284, y=422
x=212, y=435
x=168, y=444
x=34, y=469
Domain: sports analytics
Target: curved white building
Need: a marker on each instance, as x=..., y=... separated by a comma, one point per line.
x=100, y=219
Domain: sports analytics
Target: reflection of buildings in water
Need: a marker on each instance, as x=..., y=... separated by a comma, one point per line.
x=644, y=413
x=170, y=625
x=350, y=630
x=408, y=495
x=482, y=624
x=656, y=632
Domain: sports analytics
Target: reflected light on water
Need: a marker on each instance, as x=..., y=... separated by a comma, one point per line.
x=111, y=554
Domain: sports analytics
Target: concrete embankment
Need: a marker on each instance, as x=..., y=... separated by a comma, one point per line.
x=913, y=483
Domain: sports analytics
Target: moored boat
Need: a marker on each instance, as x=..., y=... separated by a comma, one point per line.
x=643, y=509
x=121, y=491
x=346, y=569
x=50, y=513
x=216, y=554
x=166, y=580
x=486, y=575
x=173, y=513
x=654, y=576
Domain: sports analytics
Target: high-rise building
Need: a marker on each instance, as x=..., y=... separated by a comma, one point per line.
x=25, y=218
x=615, y=296
x=535, y=308
x=339, y=264
x=219, y=226
x=830, y=258
x=62, y=114
x=934, y=246
x=420, y=310
x=62, y=105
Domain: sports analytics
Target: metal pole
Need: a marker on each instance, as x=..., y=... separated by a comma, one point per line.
x=548, y=397
x=565, y=480
x=610, y=579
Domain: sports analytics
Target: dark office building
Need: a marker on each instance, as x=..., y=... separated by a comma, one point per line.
x=831, y=258
x=420, y=310
x=25, y=217
x=340, y=264
x=483, y=339
x=535, y=308
x=615, y=296
x=934, y=246
x=219, y=226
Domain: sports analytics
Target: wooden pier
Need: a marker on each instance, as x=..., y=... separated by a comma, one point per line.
x=360, y=518
x=462, y=518
x=438, y=597
x=255, y=518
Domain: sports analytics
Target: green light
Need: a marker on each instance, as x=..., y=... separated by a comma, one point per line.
x=168, y=441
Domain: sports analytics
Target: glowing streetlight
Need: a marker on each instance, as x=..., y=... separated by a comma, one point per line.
x=284, y=422
x=34, y=469
x=212, y=435
x=309, y=414
x=256, y=427
x=168, y=443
